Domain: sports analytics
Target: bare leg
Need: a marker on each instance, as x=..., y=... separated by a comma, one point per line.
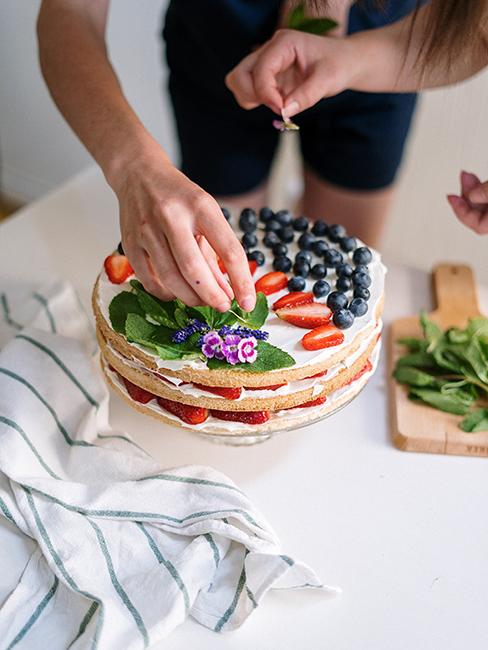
x=255, y=199
x=362, y=213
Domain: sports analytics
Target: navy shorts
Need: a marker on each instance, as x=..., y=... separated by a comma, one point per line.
x=353, y=140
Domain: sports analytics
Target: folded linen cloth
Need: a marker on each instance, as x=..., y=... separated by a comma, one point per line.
x=117, y=550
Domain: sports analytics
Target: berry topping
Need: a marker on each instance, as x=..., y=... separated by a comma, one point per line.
x=272, y=387
x=332, y=257
x=226, y=213
x=271, y=282
x=358, y=307
x=318, y=271
x=301, y=268
x=319, y=247
x=344, y=269
x=270, y=239
x=248, y=417
x=228, y=393
x=249, y=240
x=343, y=318
x=362, y=255
x=265, y=214
x=137, y=393
x=305, y=241
x=300, y=224
x=321, y=399
x=336, y=233
x=118, y=268
x=293, y=298
x=273, y=225
x=343, y=283
x=348, y=244
x=305, y=256
x=361, y=280
x=337, y=300
x=187, y=413
x=317, y=374
x=248, y=220
x=253, y=265
x=322, y=337
x=368, y=366
x=361, y=268
x=280, y=249
x=309, y=315
x=286, y=234
x=321, y=288
x=282, y=263
x=257, y=256
x=361, y=292
x=297, y=283
x=285, y=217
x=320, y=228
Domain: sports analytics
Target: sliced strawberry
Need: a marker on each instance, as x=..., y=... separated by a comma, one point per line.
x=310, y=315
x=228, y=393
x=368, y=366
x=253, y=265
x=293, y=298
x=187, y=413
x=321, y=399
x=248, y=417
x=272, y=387
x=322, y=337
x=319, y=374
x=118, y=268
x=221, y=265
x=136, y=392
x=271, y=282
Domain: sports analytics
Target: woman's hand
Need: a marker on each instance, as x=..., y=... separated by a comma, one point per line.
x=471, y=207
x=294, y=70
x=171, y=232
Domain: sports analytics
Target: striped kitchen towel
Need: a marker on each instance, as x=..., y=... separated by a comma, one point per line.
x=101, y=547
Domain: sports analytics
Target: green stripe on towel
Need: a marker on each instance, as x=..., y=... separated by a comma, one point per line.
x=231, y=609
x=16, y=427
x=6, y=313
x=40, y=298
x=35, y=615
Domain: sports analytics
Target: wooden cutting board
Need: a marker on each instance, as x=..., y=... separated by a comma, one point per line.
x=422, y=428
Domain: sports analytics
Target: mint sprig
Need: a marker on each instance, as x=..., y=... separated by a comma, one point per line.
x=298, y=20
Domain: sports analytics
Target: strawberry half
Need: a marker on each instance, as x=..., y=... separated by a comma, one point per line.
x=293, y=298
x=271, y=282
x=137, y=393
x=118, y=268
x=321, y=399
x=187, y=413
x=228, y=393
x=248, y=417
x=272, y=387
x=319, y=374
x=322, y=337
x=368, y=366
x=310, y=315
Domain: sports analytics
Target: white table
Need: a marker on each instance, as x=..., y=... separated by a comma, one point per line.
x=405, y=535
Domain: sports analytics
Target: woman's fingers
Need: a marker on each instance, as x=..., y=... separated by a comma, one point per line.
x=240, y=82
x=140, y=262
x=211, y=259
x=471, y=217
x=274, y=59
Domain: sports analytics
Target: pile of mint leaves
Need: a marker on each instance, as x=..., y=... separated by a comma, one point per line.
x=449, y=370
x=144, y=319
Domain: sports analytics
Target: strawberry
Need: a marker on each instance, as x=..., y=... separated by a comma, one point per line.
x=322, y=337
x=221, y=265
x=321, y=399
x=368, y=366
x=253, y=265
x=271, y=282
x=118, y=268
x=248, y=417
x=293, y=298
x=319, y=374
x=310, y=315
x=137, y=393
x=228, y=393
x=187, y=413
x=272, y=387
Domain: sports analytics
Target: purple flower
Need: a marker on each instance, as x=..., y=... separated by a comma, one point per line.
x=229, y=348
x=212, y=345
x=246, y=350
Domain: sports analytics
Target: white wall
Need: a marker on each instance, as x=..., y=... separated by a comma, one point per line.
x=39, y=151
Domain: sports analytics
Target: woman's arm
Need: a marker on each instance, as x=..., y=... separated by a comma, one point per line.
x=169, y=225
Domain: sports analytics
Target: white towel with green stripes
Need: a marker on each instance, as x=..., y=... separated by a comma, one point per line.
x=114, y=551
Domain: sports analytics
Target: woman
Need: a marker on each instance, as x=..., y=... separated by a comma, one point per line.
x=171, y=227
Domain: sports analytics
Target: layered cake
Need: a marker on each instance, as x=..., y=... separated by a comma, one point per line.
x=309, y=346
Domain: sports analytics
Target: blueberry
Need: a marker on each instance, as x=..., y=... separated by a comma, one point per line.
x=300, y=224
x=280, y=249
x=285, y=217
x=304, y=256
x=301, y=268
x=257, y=256
x=361, y=268
x=321, y=288
x=361, y=280
x=282, y=263
x=344, y=269
x=249, y=240
x=270, y=239
x=248, y=220
x=272, y=225
x=362, y=255
x=265, y=214
x=361, y=292
x=336, y=233
x=305, y=241
x=337, y=300
x=332, y=257
x=286, y=234
x=358, y=307
x=318, y=271
x=120, y=249
x=320, y=228
x=296, y=284
x=343, y=319
x=343, y=283
x=226, y=213
x=319, y=247
x=348, y=244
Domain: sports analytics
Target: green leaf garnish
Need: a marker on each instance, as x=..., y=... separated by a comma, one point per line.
x=121, y=306
x=269, y=358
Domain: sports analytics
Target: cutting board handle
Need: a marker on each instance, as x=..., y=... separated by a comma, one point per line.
x=455, y=294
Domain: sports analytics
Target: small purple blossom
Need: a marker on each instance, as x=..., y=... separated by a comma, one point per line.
x=229, y=348
x=212, y=345
x=244, y=332
x=181, y=335
x=247, y=350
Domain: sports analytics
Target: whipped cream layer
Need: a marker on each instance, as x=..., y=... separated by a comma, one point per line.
x=281, y=334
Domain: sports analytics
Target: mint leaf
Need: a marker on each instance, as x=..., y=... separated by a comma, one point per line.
x=158, y=338
x=256, y=318
x=475, y=421
x=450, y=403
x=417, y=359
x=139, y=330
x=414, y=345
x=181, y=317
x=120, y=307
x=432, y=332
x=159, y=310
x=414, y=377
x=298, y=20
x=269, y=358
